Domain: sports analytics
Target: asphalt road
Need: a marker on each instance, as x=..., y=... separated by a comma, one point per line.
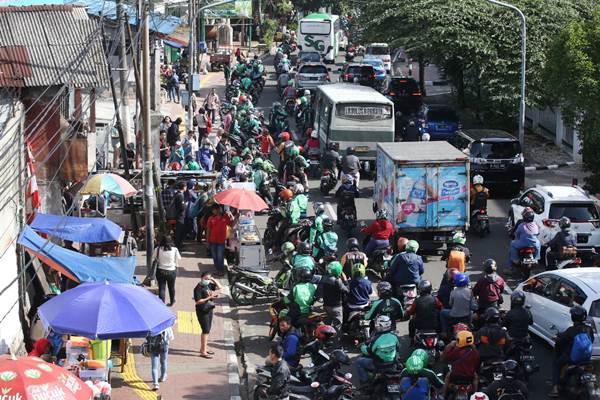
x=253, y=320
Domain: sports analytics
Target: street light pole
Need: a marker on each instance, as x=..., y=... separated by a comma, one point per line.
x=523, y=66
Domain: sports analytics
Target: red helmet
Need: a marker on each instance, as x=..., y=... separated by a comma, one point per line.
x=324, y=332
x=301, y=149
x=460, y=327
x=286, y=195
x=284, y=136
x=401, y=243
x=175, y=166
x=242, y=99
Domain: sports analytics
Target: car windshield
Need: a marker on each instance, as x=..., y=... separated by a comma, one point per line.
x=360, y=70
x=375, y=63
x=378, y=50
x=313, y=69
x=403, y=86
x=499, y=150
x=442, y=114
x=577, y=212
x=310, y=57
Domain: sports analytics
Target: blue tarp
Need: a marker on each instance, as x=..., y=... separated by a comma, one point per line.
x=79, y=266
x=173, y=44
x=76, y=229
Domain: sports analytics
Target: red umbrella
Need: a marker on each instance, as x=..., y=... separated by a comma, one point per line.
x=33, y=378
x=241, y=199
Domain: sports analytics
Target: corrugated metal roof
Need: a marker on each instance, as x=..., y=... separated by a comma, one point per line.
x=14, y=66
x=62, y=44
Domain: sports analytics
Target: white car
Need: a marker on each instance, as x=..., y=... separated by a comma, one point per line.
x=380, y=51
x=550, y=203
x=551, y=295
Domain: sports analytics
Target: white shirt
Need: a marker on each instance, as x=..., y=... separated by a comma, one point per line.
x=168, y=260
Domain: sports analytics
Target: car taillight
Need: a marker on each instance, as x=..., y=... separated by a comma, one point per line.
x=577, y=261
x=429, y=342
x=482, y=212
x=528, y=250
x=373, y=75
x=417, y=94
x=327, y=78
x=392, y=94
x=550, y=223
x=348, y=76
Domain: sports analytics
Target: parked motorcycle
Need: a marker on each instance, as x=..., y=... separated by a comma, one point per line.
x=429, y=341
x=328, y=182
x=247, y=286
x=481, y=223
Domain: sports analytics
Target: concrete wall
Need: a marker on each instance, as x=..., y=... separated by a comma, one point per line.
x=548, y=122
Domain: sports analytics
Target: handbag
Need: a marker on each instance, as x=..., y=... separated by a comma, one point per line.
x=209, y=305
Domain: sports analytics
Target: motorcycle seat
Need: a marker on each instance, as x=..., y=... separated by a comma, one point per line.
x=426, y=332
x=301, y=389
x=407, y=287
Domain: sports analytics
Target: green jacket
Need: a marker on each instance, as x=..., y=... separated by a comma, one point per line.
x=301, y=261
x=293, y=212
x=391, y=307
x=326, y=241
x=259, y=176
x=427, y=374
x=302, y=201
x=317, y=227
x=303, y=295
x=383, y=347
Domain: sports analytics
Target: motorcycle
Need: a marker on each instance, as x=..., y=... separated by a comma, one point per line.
x=429, y=341
x=460, y=390
x=347, y=217
x=579, y=382
x=356, y=327
x=407, y=294
x=526, y=262
x=379, y=262
x=567, y=258
x=490, y=371
x=307, y=327
x=521, y=351
x=481, y=224
x=314, y=159
x=350, y=54
x=247, y=286
x=386, y=384
x=295, y=233
x=328, y=182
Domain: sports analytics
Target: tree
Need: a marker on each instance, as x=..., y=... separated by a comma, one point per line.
x=572, y=74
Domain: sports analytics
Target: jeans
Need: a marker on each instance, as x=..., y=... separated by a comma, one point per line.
x=166, y=278
x=179, y=234
x=375, y=244
x=173, y=94
x=364, y=365
x=558, y=363
x=335, y=316
x=212, y=114
x=217, y=251
x=154, y=358
x=447, y=321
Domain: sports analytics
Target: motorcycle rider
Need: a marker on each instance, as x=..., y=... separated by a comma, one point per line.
x=289, y=92
x=327, y=241
x=407, y=267
x=301, y=298
x=316, y=228
x=360, y=289
x=457, y=255
x=290, y=341
x=509, y=385
x=518, y=319
x=575, y=342
x=424, y=310
x=463, y=358
x=415, y=383
x=290, y=211
x=302, y=260
x=332, y=289
x=352, y=256
x=446, y=287
x=479, y=196
x=300, y=199
x=379, y=352
x=386, y=304
x=284, y=65
x=346, y=194
x=461, y=304
x=492, y=337
x=351, y=165
x=324, y=339
x=525, y=236
x=261, y=180
x=282, y=279
x=380, y=231
x=331, y=159
x=564, y=238
x=280, y=375
x=489, y=288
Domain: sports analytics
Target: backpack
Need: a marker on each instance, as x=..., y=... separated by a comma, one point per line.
x=353, y=257
x=581, y=350
x=153, y=345
x=456, y=259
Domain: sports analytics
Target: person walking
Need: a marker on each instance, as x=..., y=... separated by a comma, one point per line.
x=227, y=73
x=216, y=235
x=167, y=260
x=212, y=104
x=165, y=150
x=204, y=293
x=179, y=212
x=173, y=87
x=159, y=352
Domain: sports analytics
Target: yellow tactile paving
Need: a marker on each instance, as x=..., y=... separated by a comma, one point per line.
x=188, y=323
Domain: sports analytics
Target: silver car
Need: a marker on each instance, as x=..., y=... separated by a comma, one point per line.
x=311, y=75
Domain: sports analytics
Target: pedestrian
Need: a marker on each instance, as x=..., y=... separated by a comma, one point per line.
x=173, y=132
x=167, y=258
x=204, y=293
x=216, y=235
x=179, y=213
x=173, y=87
x=222, y=153
x=165, y=150
x=168, y=193
x=190, y=145
x=177, y=155
x=212, y=104
x=165, y=124
x=159, y=351
x=201, y=122
x=227, y=73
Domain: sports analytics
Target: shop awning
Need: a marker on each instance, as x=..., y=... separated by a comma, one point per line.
x=173, y=44
x=76, y=266
x=77, y=229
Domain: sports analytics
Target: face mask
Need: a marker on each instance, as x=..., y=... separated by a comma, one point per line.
x=206, y=282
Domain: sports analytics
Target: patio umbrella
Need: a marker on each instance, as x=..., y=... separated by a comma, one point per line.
x=105, y=310
x=107, y=182
x=241, y=199
x=30, y=378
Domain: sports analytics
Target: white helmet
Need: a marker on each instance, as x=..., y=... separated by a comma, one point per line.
x=479, y=396
x=285, y=56
x=425, y=137
x=383, y=323
x=478, y=180
x=298, y=188
x=307, y=92
x=314, y=134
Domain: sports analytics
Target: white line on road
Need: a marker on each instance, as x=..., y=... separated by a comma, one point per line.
x=331, y=211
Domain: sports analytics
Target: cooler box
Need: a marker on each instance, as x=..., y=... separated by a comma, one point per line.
x=101, y=349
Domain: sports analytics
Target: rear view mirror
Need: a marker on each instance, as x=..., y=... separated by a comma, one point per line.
x=329, y=69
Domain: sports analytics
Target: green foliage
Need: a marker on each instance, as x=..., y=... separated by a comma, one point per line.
x=284, y=7
x=572, y=74
x=269, y=27
x=309, y=5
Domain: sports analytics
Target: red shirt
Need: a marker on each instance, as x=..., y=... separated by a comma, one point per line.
x=266, y=143
x=464, y=361
x=217, y=226
x=381, y=229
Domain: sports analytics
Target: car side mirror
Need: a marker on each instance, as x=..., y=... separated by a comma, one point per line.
x=514, y=201
x=527, y=288
x=329, y=69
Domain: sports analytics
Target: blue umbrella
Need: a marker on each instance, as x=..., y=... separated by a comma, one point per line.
x=105, y=310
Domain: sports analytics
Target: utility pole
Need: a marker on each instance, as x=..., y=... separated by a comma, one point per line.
x=123, y=70
x=148, y=153
x=191, y=58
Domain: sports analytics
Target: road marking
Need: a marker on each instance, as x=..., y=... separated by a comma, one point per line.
x=188, y=323
x=133, y=380
x=330, y=211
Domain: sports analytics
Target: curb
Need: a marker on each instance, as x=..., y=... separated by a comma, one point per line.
x=232, y=360
x=551, y=166
x=436, y=83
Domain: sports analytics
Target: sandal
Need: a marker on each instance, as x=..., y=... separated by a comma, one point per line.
x=207, y=356
x=210, y=352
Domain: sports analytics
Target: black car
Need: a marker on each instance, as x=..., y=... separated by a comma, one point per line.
x=363, y=72
x=494, y=154
x=405, y=94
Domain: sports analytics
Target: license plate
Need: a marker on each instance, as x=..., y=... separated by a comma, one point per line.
x=442, y=126
x=588, y=378
x=314, y=162
x=393, y=388
x=582, y=238
x=362, y=148
x=387, y=257
x=497, y=376
x=439, y=238
x=313, y=78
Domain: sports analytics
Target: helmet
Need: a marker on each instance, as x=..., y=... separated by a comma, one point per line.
x=304, y=248
x=424, y=287
x=318, y=208
x=465, y=338
x=517, y=298
x=314, y=134
x=459, y=238
x=461, y=279
x=358, y=270
x=489, y=266
x=479, y=396
x=250, y=141
x=288, y=248
x=327, y=223
x=306, y=92
x=528, y=214
x=350, y=150
x=324, y=332
x=352, y=243
x=412, y=246
x=511, y=367
x=284, y=136
x=305, y=275
x=286, y=195
x=414, y=365
x=384, y=289
x=492, y=315
x=578, y=313
x=451, y=273
x=242, y=99
x=383, y=323
x=340, y=356
x=564, y=223
x=303, y=100
x=422, y=354
x=258, y=162
x=294, y=151
x=478, y=180
x=401, y=243
x=334, y=268
x=235, y=160
x=298, y=188
x=381, y=214
x=175, y=166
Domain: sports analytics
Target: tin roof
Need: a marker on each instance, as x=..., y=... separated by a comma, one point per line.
x=57, y=45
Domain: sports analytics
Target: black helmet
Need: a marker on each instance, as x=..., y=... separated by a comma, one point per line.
x=511, y=367
x=352, y=243
x=341, y=357
x=384, y=289
x=350, y=150
x=517, y=299
x=305, y=275
x=489, y=266
x=564, y=223
x=424, y=287
x=492, y=315
x=578, y=313
x=327, y=224
x=304, y=248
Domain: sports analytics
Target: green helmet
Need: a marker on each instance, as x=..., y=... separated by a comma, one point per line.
x=295, y=151
x=287, y=248
x=334, y=268
x=245, y=151
x=250, y=141
x=358, y=270
x=459, y=238
x=422, y=354
x=233, y=109
x=235, y=160
x=303, y=100
x=412, y=246
x=414, y=365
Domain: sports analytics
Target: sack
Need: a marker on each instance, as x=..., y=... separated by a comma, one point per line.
x=456, y=259
x=581, y=350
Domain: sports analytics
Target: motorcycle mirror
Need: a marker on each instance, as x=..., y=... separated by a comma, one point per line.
x=347, y=376
x=315, y=385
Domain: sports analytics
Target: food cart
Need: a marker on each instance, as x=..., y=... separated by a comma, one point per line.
x=251, y=253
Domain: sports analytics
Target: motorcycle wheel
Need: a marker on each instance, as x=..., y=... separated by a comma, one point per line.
x=242, y=297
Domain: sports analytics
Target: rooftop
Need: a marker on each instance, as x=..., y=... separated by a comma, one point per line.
x=589, y=276
x=350, y=93
x=564, y=192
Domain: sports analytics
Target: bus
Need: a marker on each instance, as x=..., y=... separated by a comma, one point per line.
x=353, y=116
x=321, y=32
